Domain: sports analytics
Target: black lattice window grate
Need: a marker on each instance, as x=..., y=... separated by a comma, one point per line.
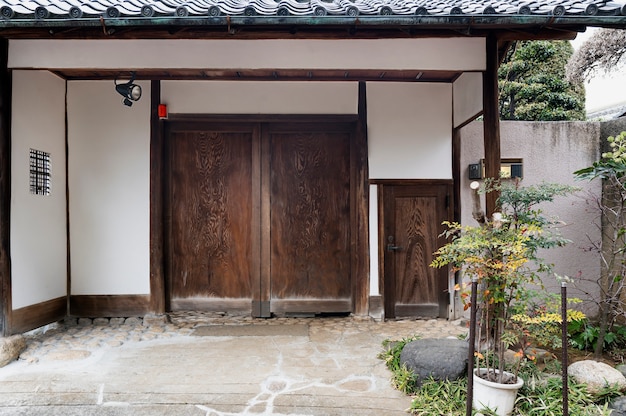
x=39, y=172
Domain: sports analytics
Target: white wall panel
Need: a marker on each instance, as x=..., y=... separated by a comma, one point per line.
x=38, y=222
x=109, y=181
x=409, y=132
x=468, y=97
x=442, y=53
x=374, y=265
x=239, y=97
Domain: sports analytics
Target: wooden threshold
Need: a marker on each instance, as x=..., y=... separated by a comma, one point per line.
x=316, y=306
x=106, y=306
x=34, y=316
x=417, y=310
x=215, y=305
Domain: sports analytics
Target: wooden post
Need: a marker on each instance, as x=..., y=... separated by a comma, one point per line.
x=360, y=203
x=471, y=349
x=5, y=190
x=157, y=273
x=456, y=173
x=491, y=119
x=564, y=345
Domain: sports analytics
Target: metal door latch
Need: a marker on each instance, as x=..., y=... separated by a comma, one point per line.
x=391, y=246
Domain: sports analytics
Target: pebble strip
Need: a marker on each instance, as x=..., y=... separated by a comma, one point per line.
x=76, y=338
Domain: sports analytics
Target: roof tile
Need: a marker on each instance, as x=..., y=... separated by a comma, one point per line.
x=77, y=9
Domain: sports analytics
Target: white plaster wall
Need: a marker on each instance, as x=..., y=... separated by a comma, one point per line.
x=551, y=152
x=409, y=124
x=242, y=97
x=423, y=54
x=373, y=223
x=109, y=183
x=409, y=137
x=467, y=97
x=38, y=223
x=409, y=130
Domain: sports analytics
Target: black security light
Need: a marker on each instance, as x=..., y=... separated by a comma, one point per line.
x=131, y=92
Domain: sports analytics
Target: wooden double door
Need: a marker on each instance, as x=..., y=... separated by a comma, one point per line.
x=259, y=216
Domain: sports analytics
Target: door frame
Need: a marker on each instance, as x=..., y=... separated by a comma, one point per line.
x=359, y=200
x=384, y=190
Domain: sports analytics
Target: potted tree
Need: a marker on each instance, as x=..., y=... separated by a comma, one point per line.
x=501, y=254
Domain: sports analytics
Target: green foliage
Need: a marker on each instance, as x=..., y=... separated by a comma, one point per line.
x=532, y=83
x=521, y=204
x=611, y=169
x=618, y=148
x=539, y=321
x=502, y=256
x=540, y=395
x=585, y=336
x=612, y=164
x=436, y=398
x=403, y=379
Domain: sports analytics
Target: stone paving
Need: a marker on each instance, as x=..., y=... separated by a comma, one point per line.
x=78, y=337
x=160, y=365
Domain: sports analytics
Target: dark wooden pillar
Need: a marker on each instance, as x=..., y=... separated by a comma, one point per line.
x=456, y=173
x=491, y=119
x=360, y=253
x=157, y=275
x=5, y=190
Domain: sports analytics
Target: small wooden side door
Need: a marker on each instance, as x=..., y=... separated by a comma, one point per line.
x=412, y=223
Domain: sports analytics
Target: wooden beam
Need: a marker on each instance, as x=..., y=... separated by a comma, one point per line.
x=372, y=27
x=262, y=74
x=5, y=190
x=109, y=306
x=33, y=316
x=157, y=267
x=491, y=122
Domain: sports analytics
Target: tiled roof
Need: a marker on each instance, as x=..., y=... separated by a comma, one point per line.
x=116, y=9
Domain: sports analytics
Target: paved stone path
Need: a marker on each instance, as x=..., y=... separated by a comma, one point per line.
x=183, y=365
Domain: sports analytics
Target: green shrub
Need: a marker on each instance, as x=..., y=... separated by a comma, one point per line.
x=436, y=398
x=540, y=321
x=585, y=336
x=541, y=394
x=402, y=379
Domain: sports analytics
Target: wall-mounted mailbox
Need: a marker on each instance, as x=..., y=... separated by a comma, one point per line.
x=509, y=168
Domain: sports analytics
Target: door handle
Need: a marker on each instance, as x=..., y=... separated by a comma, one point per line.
x=391, y=247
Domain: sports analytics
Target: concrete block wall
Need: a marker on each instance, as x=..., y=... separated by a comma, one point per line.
x=552, y=152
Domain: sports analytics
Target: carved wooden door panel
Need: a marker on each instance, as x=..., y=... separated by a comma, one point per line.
x=214, y=229
x=412, y=224
x=310, y=219
x=259, y=217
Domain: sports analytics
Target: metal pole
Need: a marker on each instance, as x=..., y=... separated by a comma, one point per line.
x=470, y=355
x=564, y=347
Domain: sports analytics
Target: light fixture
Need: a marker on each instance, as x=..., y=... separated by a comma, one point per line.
x=131, y=92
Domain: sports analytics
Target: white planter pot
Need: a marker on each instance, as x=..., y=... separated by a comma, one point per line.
x=497, y=397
